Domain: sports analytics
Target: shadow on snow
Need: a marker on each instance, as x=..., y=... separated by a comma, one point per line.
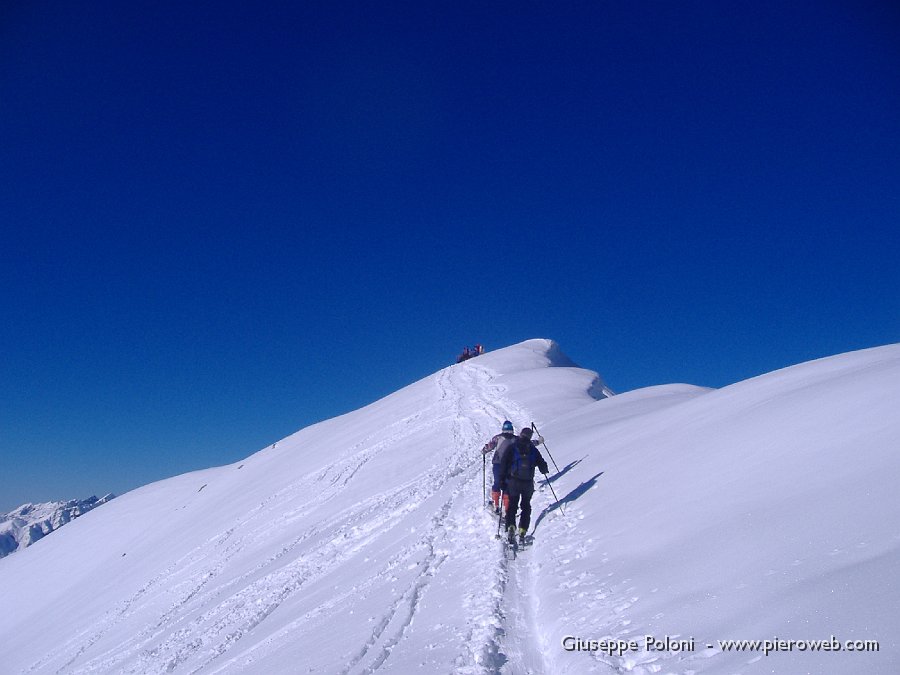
x=562, y=472
x=569, y=498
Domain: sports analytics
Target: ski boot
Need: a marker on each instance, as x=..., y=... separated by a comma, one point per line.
x=511, y=534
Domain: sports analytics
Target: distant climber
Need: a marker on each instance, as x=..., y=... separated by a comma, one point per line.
x=499, y=444
x=517, y=470
x=470, y=352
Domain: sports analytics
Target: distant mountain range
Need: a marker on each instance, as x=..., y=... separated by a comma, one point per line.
x=30, y=522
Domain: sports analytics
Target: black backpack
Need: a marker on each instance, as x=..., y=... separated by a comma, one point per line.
x=523, y=464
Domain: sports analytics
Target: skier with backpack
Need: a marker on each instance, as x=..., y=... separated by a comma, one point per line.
x=517, y=469
x=499, y=444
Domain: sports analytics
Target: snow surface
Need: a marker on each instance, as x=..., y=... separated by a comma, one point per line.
x=360, y=544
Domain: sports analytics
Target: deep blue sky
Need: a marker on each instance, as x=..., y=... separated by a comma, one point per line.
x=225, y=221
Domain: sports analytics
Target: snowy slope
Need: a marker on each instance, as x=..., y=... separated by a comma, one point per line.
x=360, y=545
x=28, y=523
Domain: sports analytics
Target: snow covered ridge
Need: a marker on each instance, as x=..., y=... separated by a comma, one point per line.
x=751, y=529
x=28, y=523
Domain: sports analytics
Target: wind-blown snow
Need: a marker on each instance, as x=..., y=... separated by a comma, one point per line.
x=360, y=544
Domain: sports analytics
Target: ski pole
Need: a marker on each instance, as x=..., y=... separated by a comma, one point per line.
x=545, y=446
x=561, y=509
x=483, y=479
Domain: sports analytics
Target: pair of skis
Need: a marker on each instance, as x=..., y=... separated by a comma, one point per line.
x=512, y=546
x=511, y=543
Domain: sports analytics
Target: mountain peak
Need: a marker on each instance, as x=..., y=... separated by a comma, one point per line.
x=29, y=522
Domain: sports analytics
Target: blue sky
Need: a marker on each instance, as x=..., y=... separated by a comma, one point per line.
x=223, y=222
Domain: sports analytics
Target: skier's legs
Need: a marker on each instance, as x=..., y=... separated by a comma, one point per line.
x=512, y=492
x=527, y=490
x=495, y=487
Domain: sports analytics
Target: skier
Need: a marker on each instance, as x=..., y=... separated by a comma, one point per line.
x=499, y=444
x=518, y=468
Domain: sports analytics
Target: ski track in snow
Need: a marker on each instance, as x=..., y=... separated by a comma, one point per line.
x=211, y=616
x=509, y=646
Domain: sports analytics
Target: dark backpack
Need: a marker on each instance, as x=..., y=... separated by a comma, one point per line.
x=523, y=463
